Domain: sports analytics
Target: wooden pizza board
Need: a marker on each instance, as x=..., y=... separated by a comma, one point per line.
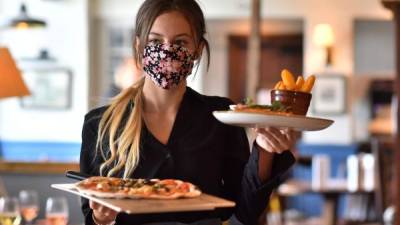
x=204, y=202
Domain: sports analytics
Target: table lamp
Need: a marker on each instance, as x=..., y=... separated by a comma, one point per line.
x=324, y=37
x=11, y=82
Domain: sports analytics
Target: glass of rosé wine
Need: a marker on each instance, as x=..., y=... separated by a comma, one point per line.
x=57, y=211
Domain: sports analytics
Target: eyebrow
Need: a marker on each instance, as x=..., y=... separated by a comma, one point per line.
x=179, y=35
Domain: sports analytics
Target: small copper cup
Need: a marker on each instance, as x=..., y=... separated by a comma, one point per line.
x=297, y=101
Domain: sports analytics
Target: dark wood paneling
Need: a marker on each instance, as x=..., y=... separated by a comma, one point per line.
x=278, y=52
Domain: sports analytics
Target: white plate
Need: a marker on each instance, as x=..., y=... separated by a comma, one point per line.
x=297, y=122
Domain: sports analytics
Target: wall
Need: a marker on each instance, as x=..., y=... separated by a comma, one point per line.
x=67, y=39
x=379, y=57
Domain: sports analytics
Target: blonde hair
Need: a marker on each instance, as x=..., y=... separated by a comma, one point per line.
x=123, y=136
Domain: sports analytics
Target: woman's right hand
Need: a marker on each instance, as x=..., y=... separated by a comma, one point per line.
x=102, y=214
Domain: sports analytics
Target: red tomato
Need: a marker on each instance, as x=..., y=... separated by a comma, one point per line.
x=168, y=182
x=184, y=187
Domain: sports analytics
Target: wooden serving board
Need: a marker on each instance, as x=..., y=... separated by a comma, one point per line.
x=204, y=202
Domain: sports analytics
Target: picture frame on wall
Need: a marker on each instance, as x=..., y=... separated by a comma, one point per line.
x=329, y=95
x=50, y=89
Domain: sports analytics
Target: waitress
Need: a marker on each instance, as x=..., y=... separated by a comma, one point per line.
x=160, y=128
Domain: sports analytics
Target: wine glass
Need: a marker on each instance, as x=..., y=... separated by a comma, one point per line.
x=9, y=211
x=57, y=211
x=29, y=202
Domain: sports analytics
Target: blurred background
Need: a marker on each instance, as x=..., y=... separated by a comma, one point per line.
x=74, y=55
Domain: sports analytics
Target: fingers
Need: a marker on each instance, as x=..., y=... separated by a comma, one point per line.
x=272, y=141
x=291, y=135
x=276, y=136
x=93, y=205
x=279, y=136
x=275, y=145
x=275, y=140
x=103, y=211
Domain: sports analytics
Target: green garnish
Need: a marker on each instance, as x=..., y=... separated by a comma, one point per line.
x=248, y=101
x=276, y=106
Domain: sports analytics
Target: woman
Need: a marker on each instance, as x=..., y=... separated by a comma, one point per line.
x=159, y=128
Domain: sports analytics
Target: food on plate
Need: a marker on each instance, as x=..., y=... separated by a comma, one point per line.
x=278, y=85
x=308, y=85
x=288, y=82
x=293, y=94
x=299, y=82
x=111, y=187
x=289, y=96
x=250, y=106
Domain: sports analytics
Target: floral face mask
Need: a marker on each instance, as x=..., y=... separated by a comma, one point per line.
x=167, y=64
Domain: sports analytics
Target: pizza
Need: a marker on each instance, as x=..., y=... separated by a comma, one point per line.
x=111, y=187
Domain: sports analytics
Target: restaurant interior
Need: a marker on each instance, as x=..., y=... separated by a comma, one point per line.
x=61, y=58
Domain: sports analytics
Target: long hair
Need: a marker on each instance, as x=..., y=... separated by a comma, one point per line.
x=123, y=135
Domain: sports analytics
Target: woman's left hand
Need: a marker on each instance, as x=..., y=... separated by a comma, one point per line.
x=274, y=140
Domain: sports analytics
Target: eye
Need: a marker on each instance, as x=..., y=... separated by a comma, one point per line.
x=181, y=42
x=154, y=41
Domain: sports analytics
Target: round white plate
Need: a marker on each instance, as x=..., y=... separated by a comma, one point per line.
x=245, y=119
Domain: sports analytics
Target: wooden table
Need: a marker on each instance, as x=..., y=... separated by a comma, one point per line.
x=330, y=194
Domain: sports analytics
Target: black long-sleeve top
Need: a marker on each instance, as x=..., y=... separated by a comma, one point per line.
x=212, y=155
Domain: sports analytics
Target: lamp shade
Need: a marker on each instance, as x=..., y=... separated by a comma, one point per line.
x=323, y=35
x=24, y=21
x=11, y=82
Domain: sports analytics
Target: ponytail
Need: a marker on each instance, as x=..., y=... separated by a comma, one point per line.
x=123, y=139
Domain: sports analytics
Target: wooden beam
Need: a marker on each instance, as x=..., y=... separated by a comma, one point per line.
x=397, y=135
x=394, y=5
x=36, y=168
x=390, y=4
x=254, y=51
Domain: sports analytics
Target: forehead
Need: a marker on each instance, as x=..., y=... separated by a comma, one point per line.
x=171, y=24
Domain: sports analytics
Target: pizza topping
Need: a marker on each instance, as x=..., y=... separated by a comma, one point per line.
x=137, y=188
x=184, y=187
